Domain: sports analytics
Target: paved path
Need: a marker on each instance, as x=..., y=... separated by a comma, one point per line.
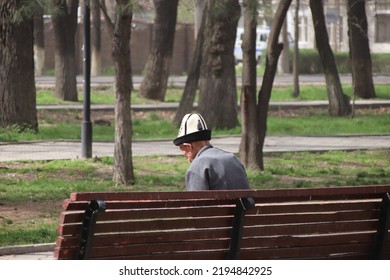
x=72, y=150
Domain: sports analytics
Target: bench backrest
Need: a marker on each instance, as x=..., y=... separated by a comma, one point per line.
x=317, y=223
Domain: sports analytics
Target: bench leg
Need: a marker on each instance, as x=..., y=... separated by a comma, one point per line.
x=383, y=227
x=88, y=228
x=242, y=205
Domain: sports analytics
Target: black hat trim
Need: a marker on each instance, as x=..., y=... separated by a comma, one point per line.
x=193, y=137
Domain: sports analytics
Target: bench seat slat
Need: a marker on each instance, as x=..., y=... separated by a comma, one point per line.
x=151, y=237
x=318, y=252
x=140, y=214
x=143, y=213
x=317, y=206
x=149, y=225
x=302, y=218
x=319, y=227
x=190, y=255
x=74, y=217
x=80, y=206
x=272, y=208
x=218, y=221
x=283, y=195
x=307, y=240
x=160, y=248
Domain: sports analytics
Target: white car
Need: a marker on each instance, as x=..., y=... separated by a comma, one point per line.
x=261, y=43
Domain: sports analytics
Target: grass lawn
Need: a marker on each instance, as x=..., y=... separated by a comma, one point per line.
x=31, y=193
x=66, y=125
x=107, y=96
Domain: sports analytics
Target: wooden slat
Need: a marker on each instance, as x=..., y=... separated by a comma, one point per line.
x=317, y=252
x=292, y=229
x=152, y=237
x=348, y=192
x=317, y=206
x=223, y=221
x=140, y=214
x=313, y=240
x=148, y=204
x=299, y=218
x=193, y=255
x=160, y=248
x=150, y=225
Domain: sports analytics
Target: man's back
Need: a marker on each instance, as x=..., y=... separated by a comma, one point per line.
x=214, y=169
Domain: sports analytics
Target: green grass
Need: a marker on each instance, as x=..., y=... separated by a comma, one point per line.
x=323, y=124
x=103, y=96
x=33, y=232
x=310, y=93
x=33, y=191
x=107, y=96
x=155, y=126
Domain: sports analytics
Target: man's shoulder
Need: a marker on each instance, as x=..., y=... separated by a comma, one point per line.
x=213, y=154
x=210, y=150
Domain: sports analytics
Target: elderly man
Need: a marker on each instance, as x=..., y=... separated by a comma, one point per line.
x=210, y=168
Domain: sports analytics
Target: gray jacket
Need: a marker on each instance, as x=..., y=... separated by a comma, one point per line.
x=214, y=169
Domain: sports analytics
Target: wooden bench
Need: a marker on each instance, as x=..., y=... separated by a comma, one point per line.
x=317, y=223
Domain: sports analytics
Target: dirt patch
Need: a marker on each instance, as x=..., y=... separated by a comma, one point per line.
x=29, y=212
x=100, y=117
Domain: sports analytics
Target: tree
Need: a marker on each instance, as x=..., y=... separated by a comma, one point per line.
x=188, y=97
x=120, y=30
x=359, y=50
x=338, y=102
x=218, y=90
x=154, y=84
x=64, y=26
x=95, y=39
x=284, y=62
x=17, y=86
x=250, y=130
x=39, y=42
x=296, y=90
x=251, y=147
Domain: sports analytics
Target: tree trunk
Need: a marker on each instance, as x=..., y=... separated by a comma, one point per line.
x=284, y=62
x=39, y=44
x=17, y=83
x=359, y=49
x=274, y=50
x=154, y=84
x=338, y=102
x=218, y=90
x=65, y=25
x=123, y=163
x=296, y=90
x=189, y=93
x=95, y=39
x=249, y=135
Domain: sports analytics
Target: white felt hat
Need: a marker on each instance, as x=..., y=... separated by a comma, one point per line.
x=193, y=128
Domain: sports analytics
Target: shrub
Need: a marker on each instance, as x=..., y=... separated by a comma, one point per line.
x=310, y=62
